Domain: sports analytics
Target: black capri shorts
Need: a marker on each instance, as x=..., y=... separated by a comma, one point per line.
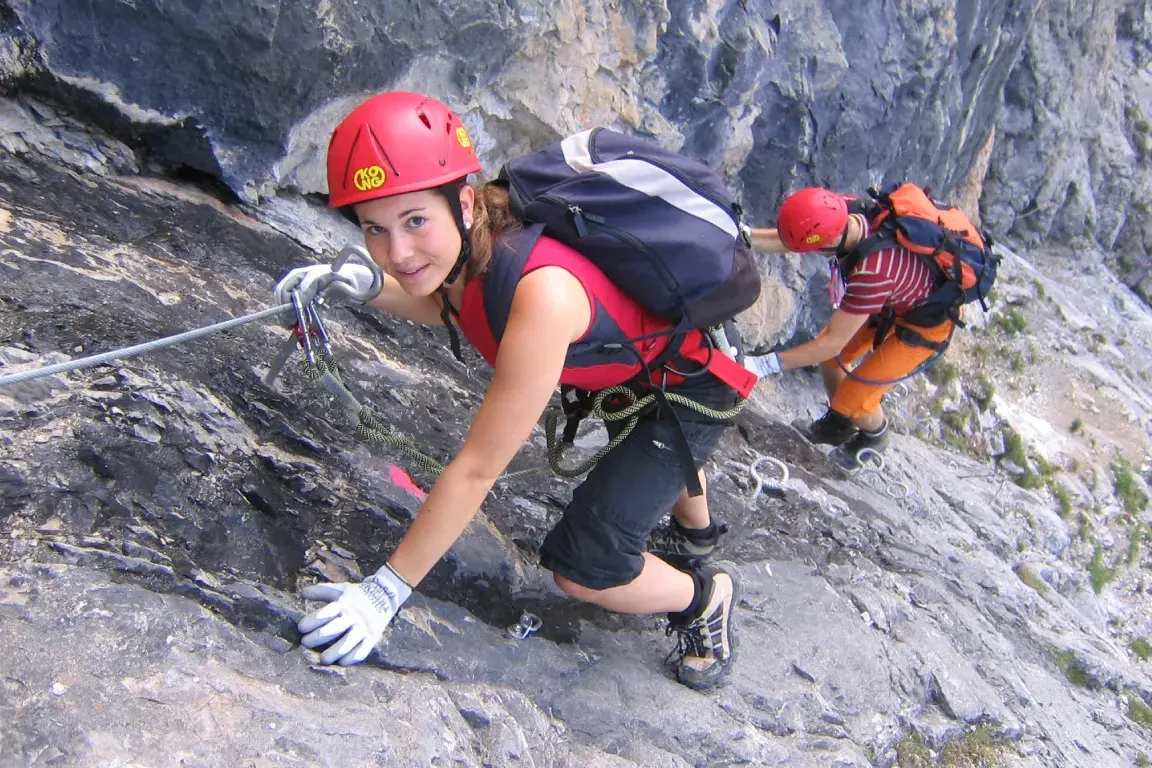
x=599, y=540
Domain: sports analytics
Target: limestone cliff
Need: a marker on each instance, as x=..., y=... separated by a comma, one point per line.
x=984, y=599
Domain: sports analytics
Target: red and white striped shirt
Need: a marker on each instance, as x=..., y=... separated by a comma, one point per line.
x=893, y=278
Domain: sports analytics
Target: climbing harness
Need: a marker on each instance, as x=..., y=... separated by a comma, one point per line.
x=322, y=368
x=871, y=470
x=529, y=623
x=922, y=368
x=774, y=486
x=630, y=412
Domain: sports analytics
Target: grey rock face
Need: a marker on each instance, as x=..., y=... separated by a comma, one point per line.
x=84, y=673
x=779, y=96
x=1045, y=100
x=1073, y=146
x=158, y=518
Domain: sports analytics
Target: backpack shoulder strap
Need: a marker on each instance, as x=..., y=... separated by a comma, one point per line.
x=504, y=271
x=868, y=246
x=866, y=208
x=882, y=237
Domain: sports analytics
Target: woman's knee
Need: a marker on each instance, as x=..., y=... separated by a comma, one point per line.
x=579, y=591
x=571, y=588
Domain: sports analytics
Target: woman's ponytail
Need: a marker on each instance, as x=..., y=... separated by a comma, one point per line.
x=492, y=218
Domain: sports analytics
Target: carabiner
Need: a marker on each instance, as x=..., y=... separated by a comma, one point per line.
x=317, y=326
x=303, y=332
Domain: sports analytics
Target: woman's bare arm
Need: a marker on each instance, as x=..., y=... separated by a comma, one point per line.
x=549, y=311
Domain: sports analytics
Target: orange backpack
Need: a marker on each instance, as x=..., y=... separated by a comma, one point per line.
x=942, y=236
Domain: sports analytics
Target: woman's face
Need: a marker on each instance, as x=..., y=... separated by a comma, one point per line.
x=413, y=237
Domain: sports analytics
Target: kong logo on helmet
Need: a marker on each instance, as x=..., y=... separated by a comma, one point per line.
x=813, y=239
x=372, y=177
x=462, y=137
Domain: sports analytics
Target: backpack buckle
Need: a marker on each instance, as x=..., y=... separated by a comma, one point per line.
x=746, y=234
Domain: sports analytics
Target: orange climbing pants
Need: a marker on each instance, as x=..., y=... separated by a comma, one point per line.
x=893, y=358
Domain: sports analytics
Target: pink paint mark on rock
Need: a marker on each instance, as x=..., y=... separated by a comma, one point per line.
x=401, y=479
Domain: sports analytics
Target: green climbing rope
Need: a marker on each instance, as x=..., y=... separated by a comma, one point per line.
x=631, y=412
x=371, y=429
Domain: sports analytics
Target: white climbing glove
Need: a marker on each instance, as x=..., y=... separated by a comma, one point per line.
x=356, y=615
x=349, y=286
x=764, y=365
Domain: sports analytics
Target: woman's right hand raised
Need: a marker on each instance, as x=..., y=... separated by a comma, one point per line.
x=347, y=286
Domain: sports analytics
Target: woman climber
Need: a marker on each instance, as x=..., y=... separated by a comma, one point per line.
x=398, y=165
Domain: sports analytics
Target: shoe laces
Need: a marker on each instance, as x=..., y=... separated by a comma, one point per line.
x=667, y=537
x=689, y=640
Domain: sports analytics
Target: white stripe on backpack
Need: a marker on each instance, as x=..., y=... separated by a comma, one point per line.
x=644, y=177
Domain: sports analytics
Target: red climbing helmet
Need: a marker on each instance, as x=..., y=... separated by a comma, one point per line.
x=393, y=143
x=812, y=218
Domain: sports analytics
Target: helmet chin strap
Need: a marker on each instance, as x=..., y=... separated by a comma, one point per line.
x=839, y=252
x=452, y=193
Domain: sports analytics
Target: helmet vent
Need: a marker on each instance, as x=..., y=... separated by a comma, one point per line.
x=424, y=119
x=380, y=146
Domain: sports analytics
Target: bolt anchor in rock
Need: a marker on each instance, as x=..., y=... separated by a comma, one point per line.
x=529, y=623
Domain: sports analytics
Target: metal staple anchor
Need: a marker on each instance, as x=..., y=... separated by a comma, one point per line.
x=872, y=464
x=529, y=623
x=877, y=461
x=761, y=482
x=899, y=490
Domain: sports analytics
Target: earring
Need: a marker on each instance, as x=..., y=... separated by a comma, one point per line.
x=467, y=226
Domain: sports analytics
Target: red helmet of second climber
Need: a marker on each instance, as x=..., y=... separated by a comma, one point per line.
x=812, y=218
x=393, y=143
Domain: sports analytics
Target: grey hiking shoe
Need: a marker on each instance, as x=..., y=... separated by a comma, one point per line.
x=849, y=454
x=706, y=644
x=673, y=541
x=830, y=429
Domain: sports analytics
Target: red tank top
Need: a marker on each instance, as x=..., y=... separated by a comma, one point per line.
x=615, y=319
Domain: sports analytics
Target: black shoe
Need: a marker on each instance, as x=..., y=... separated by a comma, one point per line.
x=673, y=540
x=853, y=453
x=706, y=643
x=830, y=429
